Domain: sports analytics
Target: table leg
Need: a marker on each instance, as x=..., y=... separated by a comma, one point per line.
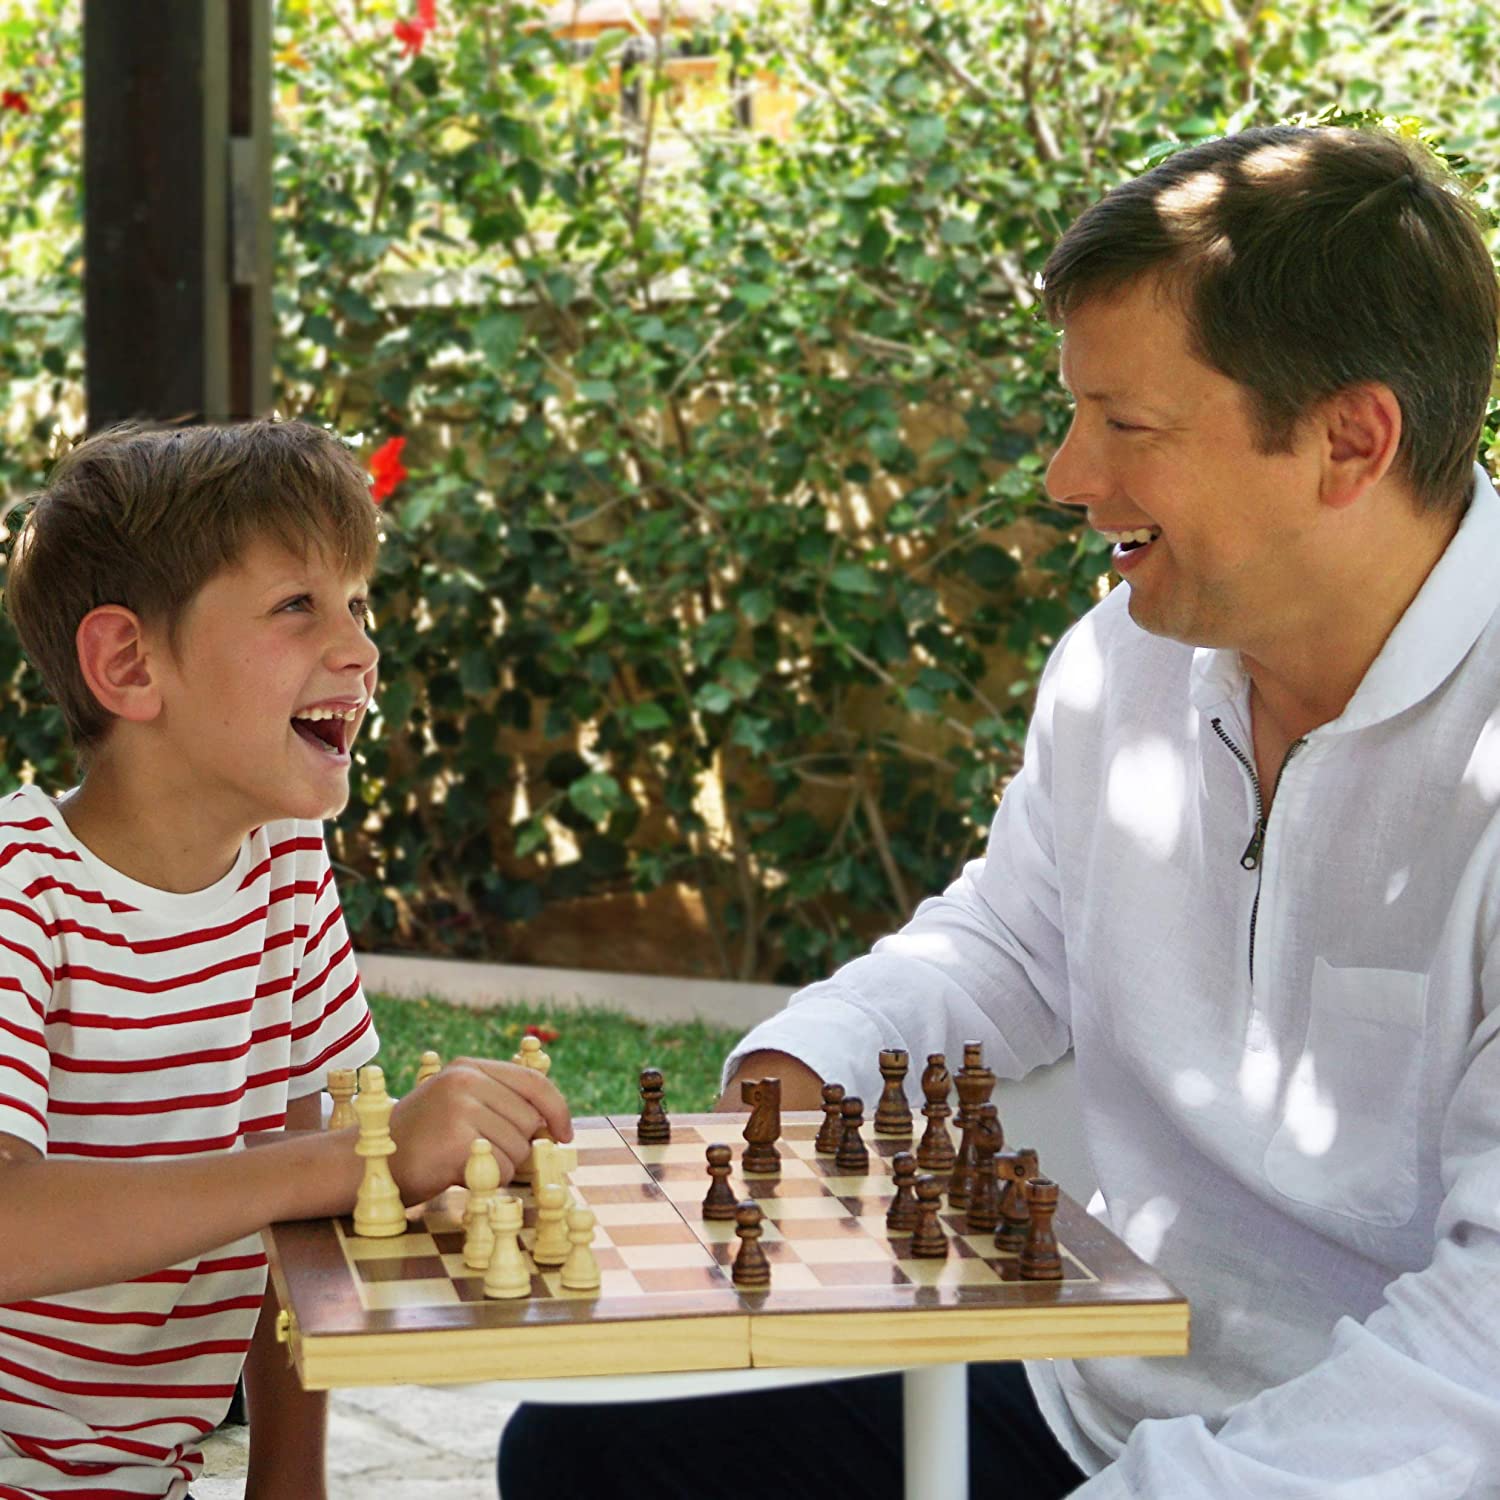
x=935, y=1422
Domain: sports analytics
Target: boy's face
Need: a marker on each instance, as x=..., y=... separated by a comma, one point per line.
x=260, y=646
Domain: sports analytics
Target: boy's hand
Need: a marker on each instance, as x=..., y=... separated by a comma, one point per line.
x=435, y=1124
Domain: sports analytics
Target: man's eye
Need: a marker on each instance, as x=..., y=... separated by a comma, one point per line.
x=1123, y=426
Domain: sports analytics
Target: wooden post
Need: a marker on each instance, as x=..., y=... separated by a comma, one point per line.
x=177, y=292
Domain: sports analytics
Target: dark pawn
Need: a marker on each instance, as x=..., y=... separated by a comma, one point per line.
x=653, y=1128
x=831, y=1131
x=751, y=1268
x=893, y=1113
x=1040, y=1260
x=984, y=1200
x=720, y=1202
x=1015, y=1218
x=901, y=1216
x=929, y=1242
x=853, y=1155
x=935, y=1153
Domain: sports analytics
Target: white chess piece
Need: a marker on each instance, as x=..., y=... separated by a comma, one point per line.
x=506, y=1275
x=580, y=1272
x=429, y=1066
x=550, y=1247
x=378, y=1212
x=482, y=1178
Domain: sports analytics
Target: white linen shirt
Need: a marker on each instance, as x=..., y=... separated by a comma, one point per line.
x=1310, y=1154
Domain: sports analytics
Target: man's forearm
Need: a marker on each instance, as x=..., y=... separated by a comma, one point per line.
x=801, y=1088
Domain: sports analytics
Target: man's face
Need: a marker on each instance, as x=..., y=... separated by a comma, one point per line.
x=1161, y=443
x=261, y=646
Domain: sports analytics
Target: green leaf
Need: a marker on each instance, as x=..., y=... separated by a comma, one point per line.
x=956, y=230
x=648, y=716
x=594, y=627
x=714, y=698
x=854, y=578
x=532, y=836
x=757, y=605
x=596, y=390
x=990, y=567
x=596, y=796
x=476, y=672
x=499, y=337
x=925, y=136
x=395, y=705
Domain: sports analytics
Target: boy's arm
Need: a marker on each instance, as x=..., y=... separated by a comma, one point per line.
x=288, y=1425
x=66, y=1224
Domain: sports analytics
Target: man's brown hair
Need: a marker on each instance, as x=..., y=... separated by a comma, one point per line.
x=1308, y=260
x=144, y=516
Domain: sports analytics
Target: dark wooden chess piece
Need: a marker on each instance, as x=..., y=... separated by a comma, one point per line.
x=653, y=1128
x=720, y=1202
x=929, y=1242
x=975, y=1084
x=893, y=1113
x=935, y=1153
x=831, y=1131
x=984, y=1199
x=853, y=1155
x=763, y=1128
x=1040, y=1260
x=1018, y=1167
x=751, y=1268
x=901, y=1216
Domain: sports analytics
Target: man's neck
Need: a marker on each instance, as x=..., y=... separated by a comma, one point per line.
x=147, y=833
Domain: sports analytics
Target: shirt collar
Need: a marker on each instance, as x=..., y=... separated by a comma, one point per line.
x=1439, y=627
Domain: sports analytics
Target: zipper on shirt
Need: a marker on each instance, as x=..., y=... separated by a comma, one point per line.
x=1250, y=859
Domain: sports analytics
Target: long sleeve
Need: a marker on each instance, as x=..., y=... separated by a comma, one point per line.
x=984, y=961
x=1406, y=1404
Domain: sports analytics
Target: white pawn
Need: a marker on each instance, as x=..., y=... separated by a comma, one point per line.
x=550, y=1247
x=532, y=1056
x=506, y=1275
x=429, y=1066
x=580, y=1272
x=341, y=1083
x=482, y=1178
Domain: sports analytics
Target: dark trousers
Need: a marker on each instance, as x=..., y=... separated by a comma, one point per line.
x=842, y=1438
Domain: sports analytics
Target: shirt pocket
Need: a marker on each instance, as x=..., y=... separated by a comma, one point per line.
x=1347, y=1140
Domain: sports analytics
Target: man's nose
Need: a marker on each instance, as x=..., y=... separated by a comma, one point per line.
x=1072, y=476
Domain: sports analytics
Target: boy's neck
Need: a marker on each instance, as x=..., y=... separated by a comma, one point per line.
x=147, y=835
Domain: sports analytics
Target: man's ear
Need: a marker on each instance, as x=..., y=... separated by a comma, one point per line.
x=1362, y=431
x=116, y=665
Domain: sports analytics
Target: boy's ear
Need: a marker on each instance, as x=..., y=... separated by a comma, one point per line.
x=113, y=658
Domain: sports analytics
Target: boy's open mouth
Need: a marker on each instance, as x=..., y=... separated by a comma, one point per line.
x=326, y=729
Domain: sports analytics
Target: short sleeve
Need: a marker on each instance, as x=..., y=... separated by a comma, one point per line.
x=25, y=989
x=331, y=1023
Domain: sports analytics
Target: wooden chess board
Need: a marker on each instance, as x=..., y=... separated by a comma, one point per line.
x=406, y=1309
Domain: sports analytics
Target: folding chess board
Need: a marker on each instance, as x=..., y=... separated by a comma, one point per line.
x=843, y=1292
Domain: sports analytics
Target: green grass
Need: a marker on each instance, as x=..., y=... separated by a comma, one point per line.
x=596, y=1059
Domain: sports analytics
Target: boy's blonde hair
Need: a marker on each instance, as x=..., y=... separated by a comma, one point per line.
x=144, y=516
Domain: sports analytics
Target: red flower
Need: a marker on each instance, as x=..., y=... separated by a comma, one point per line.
x=427, y=13
x=386, y=468
x=412, y=35
x=543, y=1033
x=10, y=99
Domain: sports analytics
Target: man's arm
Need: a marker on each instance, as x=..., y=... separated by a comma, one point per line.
x=801, y=1088
x=288, y=1425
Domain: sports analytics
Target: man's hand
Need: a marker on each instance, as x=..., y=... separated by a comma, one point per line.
x=801, y=1088
x=435, y=1124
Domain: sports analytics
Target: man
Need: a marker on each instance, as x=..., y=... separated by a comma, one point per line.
x=1250, y=871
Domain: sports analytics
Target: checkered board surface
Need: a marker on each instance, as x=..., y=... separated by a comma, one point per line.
x=824, y=1234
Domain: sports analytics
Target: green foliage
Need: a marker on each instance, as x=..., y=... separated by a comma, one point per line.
x=725, y=557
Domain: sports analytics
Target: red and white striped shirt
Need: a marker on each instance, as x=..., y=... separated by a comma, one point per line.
x=140, y=1025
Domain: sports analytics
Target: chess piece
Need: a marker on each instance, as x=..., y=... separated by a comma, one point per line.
x=341, y=1091
x=532, y=1056
x=1040, y=1259
x=720, y=1202
x=580, y=1272
x=482, y=1178
x=901, y=1216
x=928, y=1242
x=751, y=1268
x=550, y=1245
x=429, y=1065
x=653, y=1128
x=506, y=1275
x=935, y=1153
x=984, y=1199
x=763, y=1128
x=1018, y=1168
x=975, y=1084
x=853, y=1155
x=831, y=1131
x=893, y=1113
x=378, y=1212
x=553, y=1163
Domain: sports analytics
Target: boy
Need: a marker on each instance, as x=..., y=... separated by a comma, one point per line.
x=175, y=974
